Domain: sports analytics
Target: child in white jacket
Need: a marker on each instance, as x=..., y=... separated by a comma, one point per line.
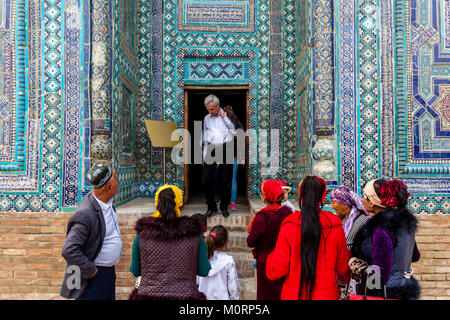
x=222, y=281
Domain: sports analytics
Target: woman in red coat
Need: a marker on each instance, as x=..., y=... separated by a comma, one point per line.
x=311, y=251
x=263, y=233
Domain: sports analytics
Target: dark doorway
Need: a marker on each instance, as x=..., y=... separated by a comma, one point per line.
x=196, y=111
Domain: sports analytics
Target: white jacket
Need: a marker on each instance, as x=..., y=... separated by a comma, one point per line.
x=222, y=281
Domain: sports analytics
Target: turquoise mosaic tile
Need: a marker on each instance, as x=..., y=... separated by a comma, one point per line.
x=46, y=149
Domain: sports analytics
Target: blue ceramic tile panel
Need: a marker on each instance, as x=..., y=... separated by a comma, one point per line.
x=217, y=16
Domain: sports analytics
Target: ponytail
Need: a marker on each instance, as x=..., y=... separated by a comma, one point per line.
x=210, y=245
x=312, y=190
x=166, y=204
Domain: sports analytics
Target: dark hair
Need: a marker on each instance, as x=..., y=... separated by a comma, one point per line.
x=217, y=242
x=377, y=184
x=202, y=219
x=166, y=204
x=310, y=201
x=402, y=196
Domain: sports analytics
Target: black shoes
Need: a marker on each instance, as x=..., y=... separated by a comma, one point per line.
x=209, y=213
x=225, y=213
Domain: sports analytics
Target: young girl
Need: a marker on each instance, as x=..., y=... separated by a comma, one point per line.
x=222, y=280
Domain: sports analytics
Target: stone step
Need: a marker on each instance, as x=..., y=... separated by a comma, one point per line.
x=244, y=264
x=237, y=241
x=130, y=212
x=247, y=288
x=234, y=222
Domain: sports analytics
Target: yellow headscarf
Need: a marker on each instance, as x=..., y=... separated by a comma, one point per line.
x=178, y=199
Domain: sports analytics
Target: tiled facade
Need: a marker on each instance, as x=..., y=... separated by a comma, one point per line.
x=361, y=85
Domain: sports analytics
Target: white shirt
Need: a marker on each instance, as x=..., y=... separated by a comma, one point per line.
x=217, y=130
x=111, y=250
x=222, y=281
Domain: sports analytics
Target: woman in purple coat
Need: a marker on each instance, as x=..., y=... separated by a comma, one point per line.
x=387, y=241
x=263, y=233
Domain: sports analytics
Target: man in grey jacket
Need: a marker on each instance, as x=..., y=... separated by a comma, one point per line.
x=93, y=242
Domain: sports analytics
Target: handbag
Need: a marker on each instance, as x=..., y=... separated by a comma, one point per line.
x=360, y=269
x=346, y=295
x=366, y=297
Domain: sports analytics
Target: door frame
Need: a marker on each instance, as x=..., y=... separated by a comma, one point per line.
x=188, y=89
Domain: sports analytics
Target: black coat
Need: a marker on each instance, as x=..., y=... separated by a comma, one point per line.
x=84, y=240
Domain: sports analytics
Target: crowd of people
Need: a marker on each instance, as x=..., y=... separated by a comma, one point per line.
x=306, y=254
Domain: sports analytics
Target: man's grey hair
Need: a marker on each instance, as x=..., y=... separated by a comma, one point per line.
x=212, y=98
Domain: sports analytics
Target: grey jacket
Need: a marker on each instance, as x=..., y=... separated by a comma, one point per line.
x=84, y=240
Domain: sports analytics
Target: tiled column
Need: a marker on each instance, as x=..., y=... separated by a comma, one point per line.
x=323, y=148
x=101, y=145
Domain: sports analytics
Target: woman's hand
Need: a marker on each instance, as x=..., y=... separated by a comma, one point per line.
x=357, y=265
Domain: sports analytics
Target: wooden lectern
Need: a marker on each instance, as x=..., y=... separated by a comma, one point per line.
x=160, y=134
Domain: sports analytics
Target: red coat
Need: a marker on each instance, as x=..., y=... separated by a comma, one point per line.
x=331, y=263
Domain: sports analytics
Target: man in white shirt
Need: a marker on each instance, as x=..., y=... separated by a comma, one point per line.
x=218, y=151
x=94, y=244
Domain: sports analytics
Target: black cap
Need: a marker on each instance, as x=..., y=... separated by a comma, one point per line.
x=99, y=175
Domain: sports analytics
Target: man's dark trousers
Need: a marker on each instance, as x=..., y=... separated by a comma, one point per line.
x=223, y=157
x=102, y=286
x=225, y=177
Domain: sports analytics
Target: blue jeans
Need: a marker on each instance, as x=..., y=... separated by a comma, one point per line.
x=234, y=182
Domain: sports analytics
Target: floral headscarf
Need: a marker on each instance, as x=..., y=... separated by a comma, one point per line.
x=389, y=193
x=348, y=197
x=178, y=199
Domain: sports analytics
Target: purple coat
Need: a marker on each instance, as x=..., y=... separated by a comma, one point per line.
x=388, y=241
